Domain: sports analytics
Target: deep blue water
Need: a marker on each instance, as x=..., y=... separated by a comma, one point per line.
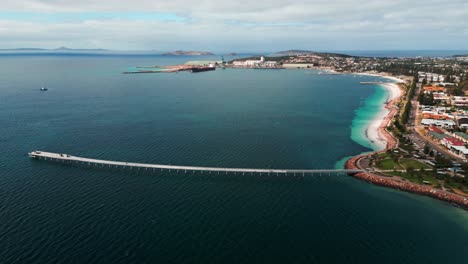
x=52, y=213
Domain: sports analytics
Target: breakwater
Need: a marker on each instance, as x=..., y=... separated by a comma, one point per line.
x=407, y=186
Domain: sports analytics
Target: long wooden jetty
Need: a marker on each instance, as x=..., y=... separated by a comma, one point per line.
x=69, y=159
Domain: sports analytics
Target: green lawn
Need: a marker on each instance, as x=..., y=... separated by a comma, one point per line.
x=452, y=184
x=425, y=176
x=384, y=155
x=388, y=164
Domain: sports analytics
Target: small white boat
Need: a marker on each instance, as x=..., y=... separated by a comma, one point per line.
x=43, y=89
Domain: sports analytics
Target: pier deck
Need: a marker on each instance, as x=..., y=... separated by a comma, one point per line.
x=65, y=158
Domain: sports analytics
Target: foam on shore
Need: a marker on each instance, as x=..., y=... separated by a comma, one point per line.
x=370, y=117
x=367, y=123
x=374, y=134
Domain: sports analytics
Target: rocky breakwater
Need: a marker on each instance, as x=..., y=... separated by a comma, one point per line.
x=406, y=186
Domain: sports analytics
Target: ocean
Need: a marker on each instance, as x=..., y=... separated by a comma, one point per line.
x=297, y=119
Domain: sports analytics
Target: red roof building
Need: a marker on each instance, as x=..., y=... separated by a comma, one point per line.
x=450, y=141
x=436, y=130
x=434, y=89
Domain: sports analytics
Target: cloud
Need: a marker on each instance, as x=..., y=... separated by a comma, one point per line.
x=234, y=25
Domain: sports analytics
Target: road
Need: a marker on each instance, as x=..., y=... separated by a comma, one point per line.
x=419, y=139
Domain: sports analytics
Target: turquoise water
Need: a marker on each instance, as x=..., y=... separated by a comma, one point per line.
x=367, y=111
x=365, y=114
x=231, y=118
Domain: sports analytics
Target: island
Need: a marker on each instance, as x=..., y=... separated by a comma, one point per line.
x=187, y=53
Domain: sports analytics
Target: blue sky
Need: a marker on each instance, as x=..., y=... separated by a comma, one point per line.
x=239, y=26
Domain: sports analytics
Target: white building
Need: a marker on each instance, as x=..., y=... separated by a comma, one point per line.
x=440, y=123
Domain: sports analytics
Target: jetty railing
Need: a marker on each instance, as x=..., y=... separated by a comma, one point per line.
x=69, y=159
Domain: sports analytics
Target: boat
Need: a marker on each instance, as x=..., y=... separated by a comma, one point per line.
x=211, y=67
x=203, y=69
x=43, y=89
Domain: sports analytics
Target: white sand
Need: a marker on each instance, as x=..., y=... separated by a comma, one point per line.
x=372, y=131
x=393, y=78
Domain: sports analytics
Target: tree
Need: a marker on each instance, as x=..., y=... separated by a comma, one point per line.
x=448, y=78
x=397, y=124
x=442, y=162
x=410, y=170
x=426, y=149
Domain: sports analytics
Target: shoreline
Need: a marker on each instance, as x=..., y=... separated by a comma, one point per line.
x=374, y=131
x=381, y=122
x=373, y=137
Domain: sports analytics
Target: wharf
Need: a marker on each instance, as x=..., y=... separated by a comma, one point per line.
x=68, y=159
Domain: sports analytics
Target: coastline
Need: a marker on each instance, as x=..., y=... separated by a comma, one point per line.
x=374, y=131
x=377, y=133
x=369, y=118
x=371, y=133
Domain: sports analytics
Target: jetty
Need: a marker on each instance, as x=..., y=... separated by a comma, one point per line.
x=69, y=159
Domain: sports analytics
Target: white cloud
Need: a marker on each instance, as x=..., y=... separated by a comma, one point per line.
x=251, y=25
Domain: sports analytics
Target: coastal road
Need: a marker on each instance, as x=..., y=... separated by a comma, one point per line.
x=436, y=146
x=414, y=113
x=419, y=139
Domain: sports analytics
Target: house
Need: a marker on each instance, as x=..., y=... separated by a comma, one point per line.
x=433, y=115
x=432, y=89
x=441, y=96
x=460, y=101
x=448, y=124
x=436, y=130
x=461, y=150
x=437, y=136
x=461, y=136
x=451, y=142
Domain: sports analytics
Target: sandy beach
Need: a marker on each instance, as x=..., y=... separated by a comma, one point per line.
x=375, y=129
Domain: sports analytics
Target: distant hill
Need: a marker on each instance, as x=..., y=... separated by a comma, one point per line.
x=461, y=55
x=308, y=52
x=293, y=52
x=189, y=53
x=60, y=49
x=69, y=49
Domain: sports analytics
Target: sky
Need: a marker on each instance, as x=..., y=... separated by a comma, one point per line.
x=235, y=26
